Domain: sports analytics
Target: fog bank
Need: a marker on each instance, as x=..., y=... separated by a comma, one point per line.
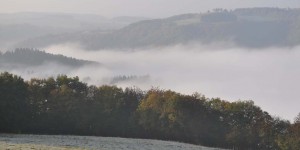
x=269, y=77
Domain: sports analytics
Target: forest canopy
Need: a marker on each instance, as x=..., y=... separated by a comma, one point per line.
x=65, y=105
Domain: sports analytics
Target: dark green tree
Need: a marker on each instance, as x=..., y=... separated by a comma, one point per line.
x=14, y=110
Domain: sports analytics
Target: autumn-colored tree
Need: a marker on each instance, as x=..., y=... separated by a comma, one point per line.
x=65, y=105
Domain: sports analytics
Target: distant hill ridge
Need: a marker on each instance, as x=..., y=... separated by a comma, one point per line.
x=34, y=57
x=18, y=27
x=245, y=27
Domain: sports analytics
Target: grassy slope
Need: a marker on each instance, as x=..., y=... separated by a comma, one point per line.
x=14, y=146
x=66, y=142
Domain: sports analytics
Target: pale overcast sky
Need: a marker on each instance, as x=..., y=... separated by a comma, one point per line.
x=147, y=8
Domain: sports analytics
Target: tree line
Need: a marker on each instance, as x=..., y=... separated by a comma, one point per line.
x=34, y=57
x=65, y=105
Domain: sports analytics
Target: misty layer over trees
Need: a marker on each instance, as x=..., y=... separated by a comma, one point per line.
x=249, y=27
x=65, y=105
x=30, y=62
x=33, y=57
x=157, y=52
x=218, y=69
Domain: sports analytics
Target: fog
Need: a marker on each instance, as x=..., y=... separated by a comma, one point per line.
x=270, y=77
x=146, y=8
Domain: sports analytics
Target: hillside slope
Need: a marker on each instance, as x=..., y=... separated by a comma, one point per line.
x=15, y=142
x=39, y=63
x=31, y=57
x=17, y=27
x=249, y=27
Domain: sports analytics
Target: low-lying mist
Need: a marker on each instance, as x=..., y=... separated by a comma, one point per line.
x=270, y=77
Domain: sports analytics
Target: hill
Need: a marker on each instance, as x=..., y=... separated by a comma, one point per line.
x=31, y=57
x=16, y=27
x=247, y=27
x=39, y=63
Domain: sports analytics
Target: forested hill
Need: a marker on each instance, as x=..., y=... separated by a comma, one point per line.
x=17, y=27
x=31, y=58
x=247, y=27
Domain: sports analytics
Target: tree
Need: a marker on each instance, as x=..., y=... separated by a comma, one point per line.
x=291, y=139
x=170, y=115
x=14, y=110
x=297, y=119
x=67, y=106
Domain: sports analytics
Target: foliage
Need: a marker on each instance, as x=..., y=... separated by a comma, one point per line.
x=13, y=103
x=65, y=105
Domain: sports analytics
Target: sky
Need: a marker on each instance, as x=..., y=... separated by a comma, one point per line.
x=145, y=8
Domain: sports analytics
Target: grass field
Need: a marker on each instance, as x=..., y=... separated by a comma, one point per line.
x=59, y=142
